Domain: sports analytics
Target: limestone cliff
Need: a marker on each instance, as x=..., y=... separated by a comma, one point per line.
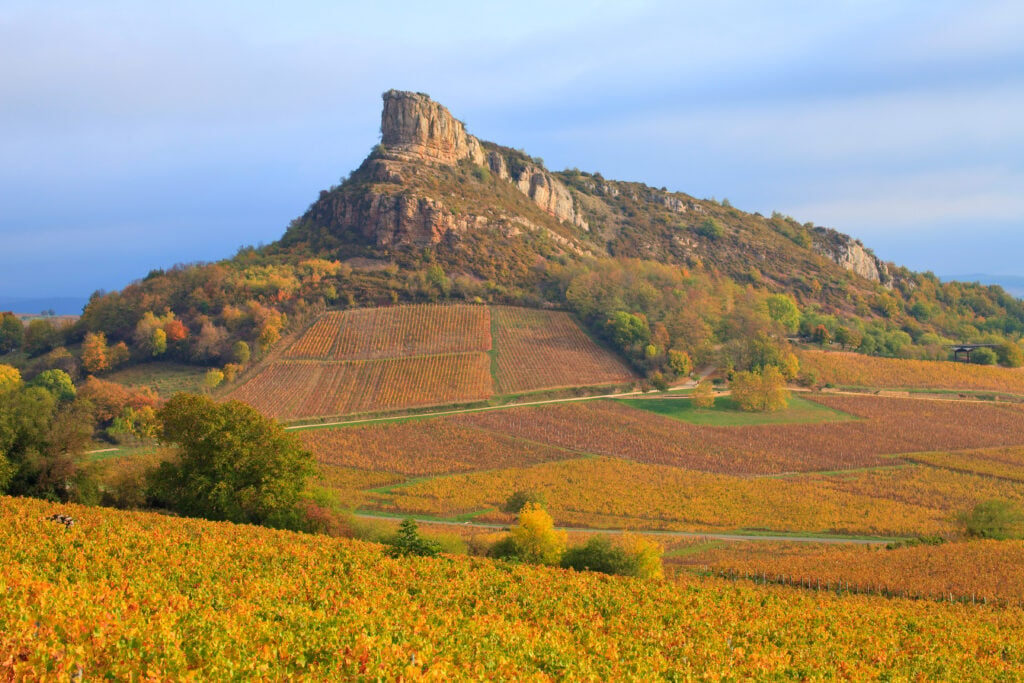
x=850, y=254
x=416, y=129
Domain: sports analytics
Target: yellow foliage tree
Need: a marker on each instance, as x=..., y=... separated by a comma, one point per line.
x=646, y=555
x=535, y=538
x=760, y=391
x=10, y=378
x=703, y=395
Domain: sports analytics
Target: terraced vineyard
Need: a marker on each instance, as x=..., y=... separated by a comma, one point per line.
x=125, y=595
x=547, y=349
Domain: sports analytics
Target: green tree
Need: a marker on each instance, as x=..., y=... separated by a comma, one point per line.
x=12, y=332
x=711, y=229
x=57, y=382
x=598, y=554
x=40, y=336
x=240, y=352
x=782, y=309
x=408, y=541
x=680, y=362
x=627, y=329
x=233, y=463
x=983, y=356
x=518, y=500
x=998, y=519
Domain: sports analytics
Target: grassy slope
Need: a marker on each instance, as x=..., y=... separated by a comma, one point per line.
x=133, y=594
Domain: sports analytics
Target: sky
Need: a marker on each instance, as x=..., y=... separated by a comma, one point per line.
x=136, y=135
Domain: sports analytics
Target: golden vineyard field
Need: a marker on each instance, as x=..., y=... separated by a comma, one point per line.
x=132, y=595
x=1003, y=463
x=982, y=570
x=855, y=369
x=611, y=493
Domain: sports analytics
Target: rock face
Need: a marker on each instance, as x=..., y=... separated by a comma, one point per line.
x=414, y=128
x=850, y=254
x=414, y=124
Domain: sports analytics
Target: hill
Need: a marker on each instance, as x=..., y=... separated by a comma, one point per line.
x=127, y=595
x=667, y=280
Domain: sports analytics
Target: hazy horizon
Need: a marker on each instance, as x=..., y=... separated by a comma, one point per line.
x=135, y=137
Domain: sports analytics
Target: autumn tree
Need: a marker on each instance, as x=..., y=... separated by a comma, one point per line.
x=94, y=353
x=233, y=463
x=40, y=336
x=680, y=362
x=10, y=378
x=57, y=382
x=703, y=395
x=534, y=538
x=763, y=390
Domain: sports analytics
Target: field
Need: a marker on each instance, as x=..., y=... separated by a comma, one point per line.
x=132, y=595
x=725, y=413
x=611, y=493
x=1002, y=463
x=372, y=333
x=547, y=349
x=888, y=426
x=290, y=390
x=166, y=379
x=854, y=369
x=980, y=570
x=424, y=447
x=384, y=359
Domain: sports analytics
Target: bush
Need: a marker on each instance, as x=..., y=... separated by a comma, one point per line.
x=534, y=539
x=518, y=500
x=408, y=541
x=983, y=356
x=598, y=555
x=998, y=519
x=711, y=229
x=703, y=395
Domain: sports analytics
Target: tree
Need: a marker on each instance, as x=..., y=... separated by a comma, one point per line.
x=233, y=463
x=711, y=229
x=763, y=390
x=703, y=395
x=40, y=336
x=627, y=329
x=598, y=554
x=998, y=519
x=409, y=542
x=94, y=353
x=518, y=500
x=782, y=309
x=12, y=332
x=10, y=378
x=535, y=538
x=57, y=382
x=213, y=378
x=240, y=352
x=680, y=362
x=645, y=556
x=983, y=356
x=1010, y=354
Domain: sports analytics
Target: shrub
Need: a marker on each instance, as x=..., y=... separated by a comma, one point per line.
x=983, y=356
x=598, y=555
x=703, y=395
x=711, y=229
x=998, y=519
x=408, y=541
x=518, y=500
x=535, y=539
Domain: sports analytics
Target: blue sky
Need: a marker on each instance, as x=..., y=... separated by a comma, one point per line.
x=136, y=135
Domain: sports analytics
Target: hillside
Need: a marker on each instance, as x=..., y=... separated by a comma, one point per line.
x=434, y=214
x=129, y=595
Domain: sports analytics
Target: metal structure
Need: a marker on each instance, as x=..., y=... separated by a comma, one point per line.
x=966, y=349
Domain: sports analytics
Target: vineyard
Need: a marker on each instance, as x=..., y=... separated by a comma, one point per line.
x=301, y=389
x=547, y=349
x=131, y=595
x=855, y=369
x=1003, y=463
x=372, y=333
x=982, y=570
x=887, y=426
x=424, y=447
x=612, y=493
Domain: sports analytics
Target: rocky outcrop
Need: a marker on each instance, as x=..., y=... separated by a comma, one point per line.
x=391, y=219
x=412, y=124
x=415, y=128
x=850, y=254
